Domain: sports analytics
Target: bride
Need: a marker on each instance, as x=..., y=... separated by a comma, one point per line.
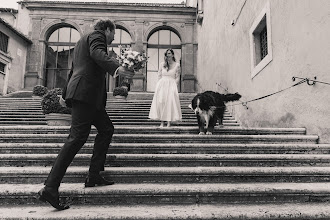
x=165, y=105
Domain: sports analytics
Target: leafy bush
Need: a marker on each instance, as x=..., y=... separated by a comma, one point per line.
x=126, y=84
x=39, y=90
x=50, y=103
x=58, y=91
x=120, y=91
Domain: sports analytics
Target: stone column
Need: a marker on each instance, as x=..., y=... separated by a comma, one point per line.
x=34, y=67
x=139, y=78
x=188, y=61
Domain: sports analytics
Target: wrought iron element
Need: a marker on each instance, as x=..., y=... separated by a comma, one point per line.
x=309, y=82
x=245, y=105
x=219, y=84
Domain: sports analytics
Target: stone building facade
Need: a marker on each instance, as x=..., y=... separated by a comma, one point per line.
x=146, y=26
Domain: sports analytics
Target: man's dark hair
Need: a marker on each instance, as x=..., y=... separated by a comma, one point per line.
x=104, y=24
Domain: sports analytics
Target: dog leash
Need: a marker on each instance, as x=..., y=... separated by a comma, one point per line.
x=298, y=83
x=245, y=103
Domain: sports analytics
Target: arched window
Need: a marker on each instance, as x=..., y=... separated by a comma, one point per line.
x=158, y=43
x=124, y=39
x=59, y=49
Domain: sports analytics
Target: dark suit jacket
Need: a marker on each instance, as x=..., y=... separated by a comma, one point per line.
x=87, y=78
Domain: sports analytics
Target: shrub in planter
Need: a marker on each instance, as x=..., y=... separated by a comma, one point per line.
x=50, y=103
x=39, y=90
x=126, y=85
x=121, y=91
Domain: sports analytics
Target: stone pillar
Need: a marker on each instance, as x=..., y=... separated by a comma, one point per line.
x=188, y=61
x=139, y=78
x=34, y=67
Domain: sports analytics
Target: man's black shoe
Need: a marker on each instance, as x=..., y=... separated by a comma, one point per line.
x=45, y=196
x=98, y=180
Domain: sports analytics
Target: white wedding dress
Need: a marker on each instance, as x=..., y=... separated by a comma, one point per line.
x=165, y=105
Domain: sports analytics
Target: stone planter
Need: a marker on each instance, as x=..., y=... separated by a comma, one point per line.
x=120, y=97
x=56, y=119
x=35, y=97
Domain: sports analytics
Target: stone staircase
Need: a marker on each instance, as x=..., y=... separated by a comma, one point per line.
x=165, y=173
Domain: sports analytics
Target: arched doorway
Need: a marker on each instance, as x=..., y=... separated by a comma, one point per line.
x=123, y=39
x=158, y=42
x=59, y=48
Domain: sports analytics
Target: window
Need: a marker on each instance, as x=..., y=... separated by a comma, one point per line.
x=61, y=44
x=158, y=43
x=263, y=43
x=2, y=68
x=260, y=42
x=3, y=42
x=122, y=38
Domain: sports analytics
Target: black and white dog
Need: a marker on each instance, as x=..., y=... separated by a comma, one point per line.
x=209, y=108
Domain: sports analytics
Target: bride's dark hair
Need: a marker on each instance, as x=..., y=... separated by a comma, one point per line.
x=166, y=64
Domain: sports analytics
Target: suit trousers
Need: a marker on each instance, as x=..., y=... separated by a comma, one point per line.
x=83, y=117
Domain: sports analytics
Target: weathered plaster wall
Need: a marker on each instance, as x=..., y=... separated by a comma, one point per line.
x=300, y=45
x=17, y=51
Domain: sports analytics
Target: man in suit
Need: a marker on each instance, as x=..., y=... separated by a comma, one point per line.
x=86, y=94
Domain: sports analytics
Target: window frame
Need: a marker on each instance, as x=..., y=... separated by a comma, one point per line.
x=57, y=71
x=159, y=46
x=263, y=20
x=4, y=68
x=6, y=43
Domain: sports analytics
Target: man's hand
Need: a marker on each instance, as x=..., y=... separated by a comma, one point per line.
x=125, y=73
x=62, y=101
x=112, y=53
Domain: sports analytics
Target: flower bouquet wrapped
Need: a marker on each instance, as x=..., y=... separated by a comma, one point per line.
x=130, y=60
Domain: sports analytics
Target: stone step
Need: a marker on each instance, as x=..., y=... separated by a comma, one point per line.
x=21, y=111
x=20, y=108
x=165, y=138
x=174, y=160
x=21, y=114
x=77, y=174
x=38, y=122
x=273, y=211
x=109, y=102
x=113, y=116
x=115, y=123
x=167, y=193
x=151, y=129
x=132, y=95
x=28, y=113
x=173, y=148
x=110, y=107
x=111, y=113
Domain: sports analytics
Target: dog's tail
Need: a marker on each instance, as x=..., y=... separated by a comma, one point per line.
x=231, y=97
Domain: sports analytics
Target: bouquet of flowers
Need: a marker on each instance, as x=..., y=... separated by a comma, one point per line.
x=131, y=60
